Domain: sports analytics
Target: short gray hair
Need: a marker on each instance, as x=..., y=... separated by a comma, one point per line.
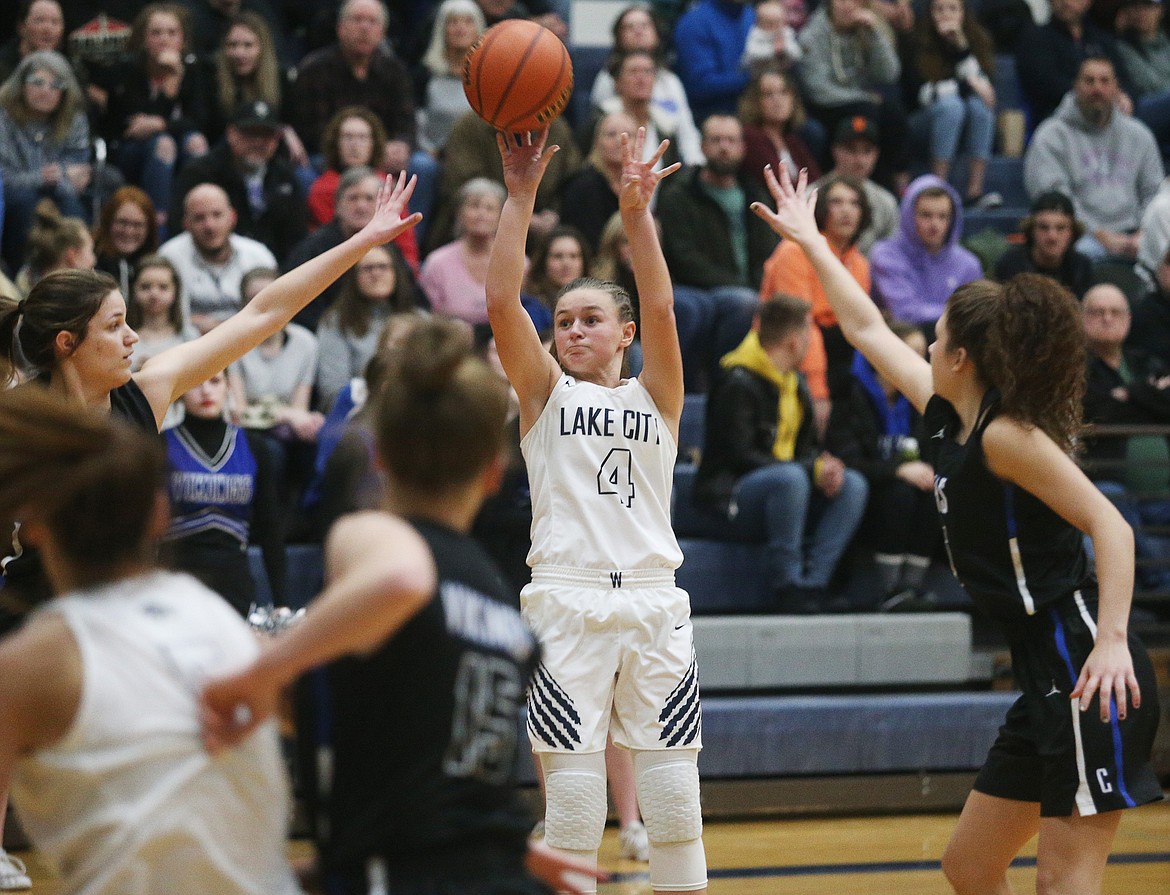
x=355, y=175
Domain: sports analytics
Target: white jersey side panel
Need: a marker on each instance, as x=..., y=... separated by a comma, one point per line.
x=601, y=469
x=129, y=801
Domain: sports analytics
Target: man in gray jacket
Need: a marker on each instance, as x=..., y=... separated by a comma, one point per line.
x=1107, y=161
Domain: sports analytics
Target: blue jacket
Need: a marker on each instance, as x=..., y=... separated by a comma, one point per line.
x=709, y=39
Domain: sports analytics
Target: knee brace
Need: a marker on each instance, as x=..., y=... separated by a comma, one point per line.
x=668, y=793
x=574, y=817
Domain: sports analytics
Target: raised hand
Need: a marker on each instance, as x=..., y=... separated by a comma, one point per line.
x=639, y=179
x=525, y=159
x=393, y=199
x=794, y=217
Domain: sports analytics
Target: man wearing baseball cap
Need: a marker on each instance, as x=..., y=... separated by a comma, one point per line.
x=261, y=185
x=855, y=150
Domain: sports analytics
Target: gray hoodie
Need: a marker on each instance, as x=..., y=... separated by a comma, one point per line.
x=1111, y=172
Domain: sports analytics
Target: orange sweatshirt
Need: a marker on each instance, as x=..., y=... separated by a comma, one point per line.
x=789, y=271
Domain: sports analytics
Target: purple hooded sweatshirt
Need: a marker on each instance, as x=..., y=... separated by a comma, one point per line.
x=911, y=282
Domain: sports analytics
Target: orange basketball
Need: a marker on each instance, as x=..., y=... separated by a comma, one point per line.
x=518, y=76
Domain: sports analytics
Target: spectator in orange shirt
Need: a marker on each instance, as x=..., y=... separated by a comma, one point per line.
x=842, y=213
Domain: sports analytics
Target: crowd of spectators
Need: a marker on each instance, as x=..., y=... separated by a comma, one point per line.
x=192, y=148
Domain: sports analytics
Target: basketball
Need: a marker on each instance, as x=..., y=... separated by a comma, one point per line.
x=518, y=76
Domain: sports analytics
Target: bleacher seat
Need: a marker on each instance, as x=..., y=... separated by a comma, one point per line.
x=587, y=62
x=1006, y=81
x=887, y=733
x=690, y=521
x=764, y=736
x=722, y=577
x=1005, y=175
x=692, y=428
x=778, y=651
x=304, y=574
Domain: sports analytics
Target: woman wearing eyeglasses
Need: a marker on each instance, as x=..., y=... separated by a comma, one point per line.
x=44, y=145
x=379, y=286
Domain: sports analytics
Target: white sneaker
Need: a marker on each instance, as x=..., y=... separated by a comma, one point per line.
x=635, y=842
x=13, y=874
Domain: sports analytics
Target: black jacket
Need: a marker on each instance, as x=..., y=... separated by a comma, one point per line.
x=285, y=219
x=854, y=436
x=741, y=430
x=1147, y=405
x=1075, y=272
x=1150, y=330
x=696, y=235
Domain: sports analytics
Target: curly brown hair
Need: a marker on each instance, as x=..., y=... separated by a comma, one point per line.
x=1027, y=340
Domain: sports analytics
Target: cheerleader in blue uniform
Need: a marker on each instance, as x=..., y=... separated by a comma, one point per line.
x=223, y=498
x=1001, y=403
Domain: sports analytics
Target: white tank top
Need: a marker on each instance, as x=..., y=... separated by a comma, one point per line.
x=128, y=801
x=601, y=467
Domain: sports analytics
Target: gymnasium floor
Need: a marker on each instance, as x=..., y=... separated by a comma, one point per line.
x=846, y=855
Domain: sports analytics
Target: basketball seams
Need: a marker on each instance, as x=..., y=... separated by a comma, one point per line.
x=516, y=72
x=539, y=80
x=478, y=53
x=551, y=104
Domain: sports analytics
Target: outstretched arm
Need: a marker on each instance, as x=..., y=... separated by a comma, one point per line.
x=662, y=372
x=860, y=320
x=531, y=370
x=381, y=574
x=167, y=375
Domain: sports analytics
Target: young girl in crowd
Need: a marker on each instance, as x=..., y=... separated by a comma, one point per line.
x=224, y=497
x=615, y=633
x=1001, y=401
x=153, y=310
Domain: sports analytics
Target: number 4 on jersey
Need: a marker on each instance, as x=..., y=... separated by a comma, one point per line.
x=616, y=475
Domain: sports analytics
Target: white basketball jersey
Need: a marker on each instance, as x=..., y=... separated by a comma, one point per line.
x=601, y=468
x=129, y=802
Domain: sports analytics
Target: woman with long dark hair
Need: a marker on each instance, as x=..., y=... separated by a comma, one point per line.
x=952, y=60
x=71, y=336
x=773, y=115
x=1001, y=399
x=379, y=286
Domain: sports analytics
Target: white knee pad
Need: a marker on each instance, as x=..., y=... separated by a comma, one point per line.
x=574, y=816
x=668, y=793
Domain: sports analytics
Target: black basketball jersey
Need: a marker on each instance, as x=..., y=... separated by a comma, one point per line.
x=1008, y=549
x=422, y=737
x=127, y=402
